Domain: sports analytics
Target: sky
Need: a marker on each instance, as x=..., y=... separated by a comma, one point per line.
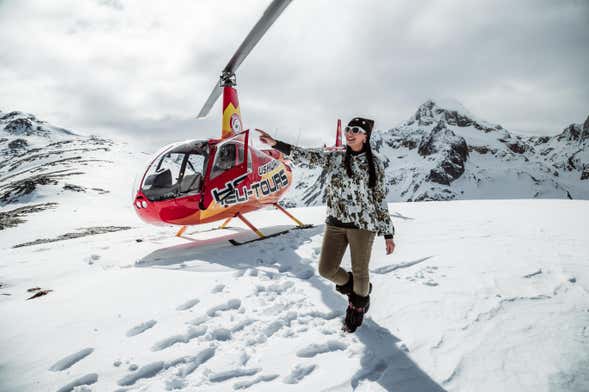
x=143, y=68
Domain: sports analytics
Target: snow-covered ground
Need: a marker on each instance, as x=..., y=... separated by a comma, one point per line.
x=478, y=296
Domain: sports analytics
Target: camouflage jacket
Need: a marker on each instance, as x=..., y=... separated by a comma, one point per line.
x=349, y=199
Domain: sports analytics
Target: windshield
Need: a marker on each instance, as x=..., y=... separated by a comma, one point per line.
x=176, y=172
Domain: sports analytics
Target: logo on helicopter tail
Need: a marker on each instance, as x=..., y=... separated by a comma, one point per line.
x=235, y=123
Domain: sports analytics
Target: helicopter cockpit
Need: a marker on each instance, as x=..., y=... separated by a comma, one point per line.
x=178, y=171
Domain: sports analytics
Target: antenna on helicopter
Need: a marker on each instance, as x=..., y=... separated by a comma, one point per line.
x=227, y=78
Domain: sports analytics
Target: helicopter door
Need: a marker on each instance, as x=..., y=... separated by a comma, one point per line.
x=230, y=166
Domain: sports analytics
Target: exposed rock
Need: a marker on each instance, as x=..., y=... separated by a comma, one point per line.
x=14, y=114
x=517, y=147
x=23, y=127
x=541, y=140
x=13, y=218
x=39, y=294
x=13, y=191
x=18, y=144
x=573, y=132
x=481, y=149
x=409, y=143
x=100, y=191
x=585, y=173
x=83, y=233
x=446, y=194
x=451, y=151
x=74, y=188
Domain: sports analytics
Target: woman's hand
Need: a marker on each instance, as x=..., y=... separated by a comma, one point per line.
x=266, y=139
x=390, y=245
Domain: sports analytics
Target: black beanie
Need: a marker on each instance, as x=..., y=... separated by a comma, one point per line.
x=363, y=123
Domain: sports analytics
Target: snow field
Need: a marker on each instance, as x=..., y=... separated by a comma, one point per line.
x=479, y=295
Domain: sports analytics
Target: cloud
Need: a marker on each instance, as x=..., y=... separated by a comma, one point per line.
x=144, y=68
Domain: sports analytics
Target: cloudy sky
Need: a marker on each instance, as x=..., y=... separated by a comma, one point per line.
x=144, y=68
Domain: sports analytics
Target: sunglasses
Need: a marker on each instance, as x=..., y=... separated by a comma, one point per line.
x=355, y=130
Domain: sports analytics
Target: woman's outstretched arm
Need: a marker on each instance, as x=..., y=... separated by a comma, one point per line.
x=311, y=157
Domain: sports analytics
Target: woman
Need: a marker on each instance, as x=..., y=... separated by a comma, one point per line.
x=356, y=212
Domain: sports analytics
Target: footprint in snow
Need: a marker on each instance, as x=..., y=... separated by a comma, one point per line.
x=316, y=349
x=191, y=363
x=140, y=328
x=218, y=288
x=79, y=383
x=233, y=373
x=70, y=360
x=192, y=333
x=221, y=334
x=188, y=304
x=298, y=373
x=232, y=304
x=248, y=383
x=147, y=371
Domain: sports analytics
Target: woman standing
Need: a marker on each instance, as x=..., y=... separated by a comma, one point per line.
x=356, y=212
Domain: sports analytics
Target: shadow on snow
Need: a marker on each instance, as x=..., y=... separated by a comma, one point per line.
x=382, y=362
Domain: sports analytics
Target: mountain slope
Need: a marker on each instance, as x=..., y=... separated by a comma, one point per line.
x=74, y=177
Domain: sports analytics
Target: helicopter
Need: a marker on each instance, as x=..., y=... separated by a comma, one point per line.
x=201, y=181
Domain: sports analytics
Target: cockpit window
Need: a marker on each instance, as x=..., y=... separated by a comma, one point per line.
x=177, y=172
x=193, y=174
x=229, y=154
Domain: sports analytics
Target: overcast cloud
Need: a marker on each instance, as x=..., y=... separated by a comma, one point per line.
x=144, y=68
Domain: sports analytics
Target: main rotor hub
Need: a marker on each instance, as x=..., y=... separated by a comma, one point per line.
x=227, y=79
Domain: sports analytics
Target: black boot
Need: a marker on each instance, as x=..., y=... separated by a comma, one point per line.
x=346, y=289
x=357, y=307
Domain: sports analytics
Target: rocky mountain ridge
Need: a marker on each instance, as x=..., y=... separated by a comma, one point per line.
x=443, y=152
x=40, y=162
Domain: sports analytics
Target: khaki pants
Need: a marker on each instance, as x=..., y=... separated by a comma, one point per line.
x=335, y=242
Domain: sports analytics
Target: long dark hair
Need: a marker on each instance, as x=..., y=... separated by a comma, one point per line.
x=369, y=158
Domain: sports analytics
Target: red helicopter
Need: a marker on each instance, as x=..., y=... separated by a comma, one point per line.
x=201, y=181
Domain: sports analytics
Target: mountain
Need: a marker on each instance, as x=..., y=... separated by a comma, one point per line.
x=47, y=167
x=443, y=152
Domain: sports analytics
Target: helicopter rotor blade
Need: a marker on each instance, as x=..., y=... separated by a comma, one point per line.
x=268, y=18
x=215, y=94
x=270, y=15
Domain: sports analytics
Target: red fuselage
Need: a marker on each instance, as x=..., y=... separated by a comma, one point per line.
x=196, y=182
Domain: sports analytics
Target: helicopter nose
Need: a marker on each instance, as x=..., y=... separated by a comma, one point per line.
x=140, y=202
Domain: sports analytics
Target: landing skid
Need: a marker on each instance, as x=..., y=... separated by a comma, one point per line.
x=238, y=243
x=261, y=236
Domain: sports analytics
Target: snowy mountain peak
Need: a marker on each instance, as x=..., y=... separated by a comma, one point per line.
x=17, y=123
x=444, y=152
x=39, y=160
x=451, y=112
x=575, y=132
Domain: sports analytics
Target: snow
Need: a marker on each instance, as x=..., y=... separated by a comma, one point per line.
x=479, y=295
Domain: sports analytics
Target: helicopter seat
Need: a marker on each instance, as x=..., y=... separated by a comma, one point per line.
x=190, y=183
x=163, y=179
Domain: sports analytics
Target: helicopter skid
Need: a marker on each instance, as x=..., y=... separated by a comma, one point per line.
x=239, y=243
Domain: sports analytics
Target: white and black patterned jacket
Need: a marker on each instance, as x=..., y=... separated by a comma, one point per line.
x=349, y=199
